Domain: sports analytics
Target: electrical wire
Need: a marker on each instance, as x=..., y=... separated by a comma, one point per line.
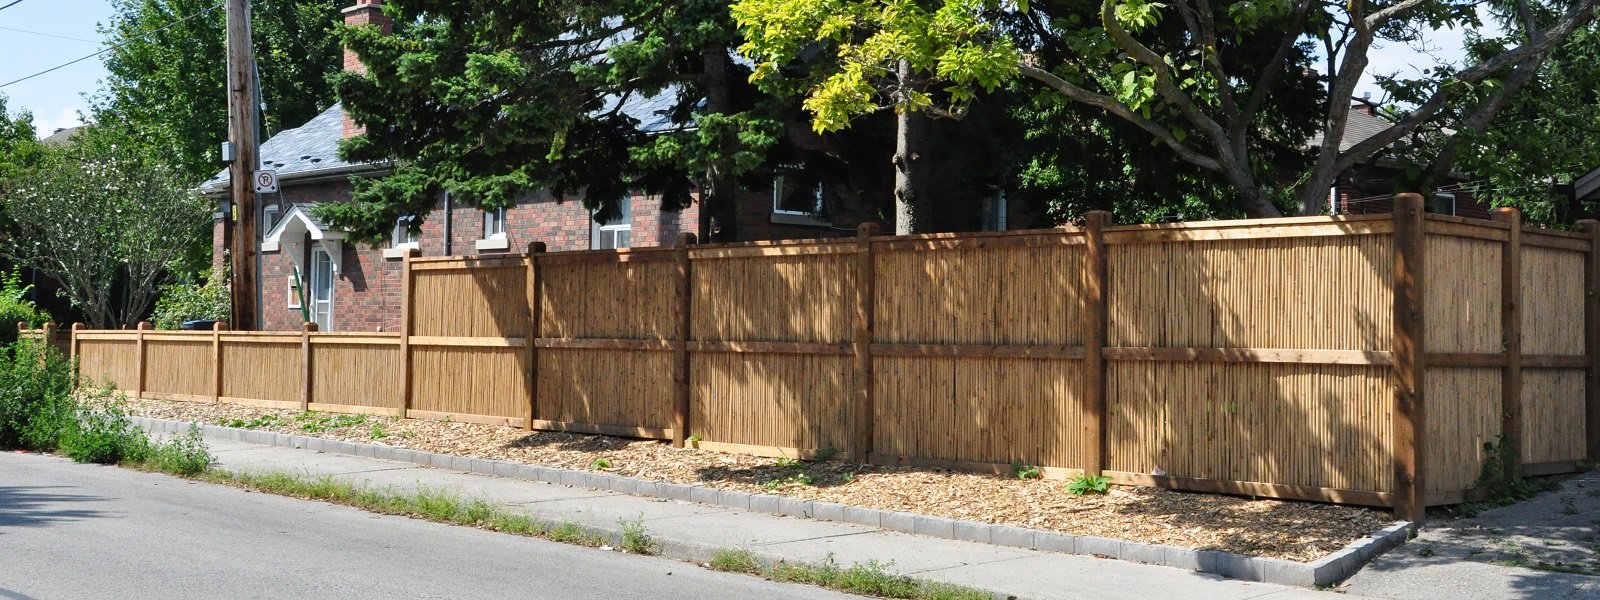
x=110, y=48
x=14, y=3
x=62, y=37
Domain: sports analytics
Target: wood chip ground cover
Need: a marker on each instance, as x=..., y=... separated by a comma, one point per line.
x=1300, y=531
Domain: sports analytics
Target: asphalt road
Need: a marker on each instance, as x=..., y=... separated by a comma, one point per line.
x=84, y=531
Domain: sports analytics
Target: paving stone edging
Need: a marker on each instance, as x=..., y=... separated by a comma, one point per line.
x=1327, y=570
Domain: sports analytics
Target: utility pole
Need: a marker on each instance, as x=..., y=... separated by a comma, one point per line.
x=242, y=127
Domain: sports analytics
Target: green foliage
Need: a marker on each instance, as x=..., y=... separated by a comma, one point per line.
x=168, y=85
x=15, y=307
x=377, y=432
x=183, y=301
x=104, y=435
x=105, y=218
x=317, y=422
x=635, y=539
x=1089, y=484
x=1023, y=471
x=734, y=561
x=36, y=396
x=1502, y=481
x=870, y=578
x=267, y=420
x=600, y=463
x=184, y=455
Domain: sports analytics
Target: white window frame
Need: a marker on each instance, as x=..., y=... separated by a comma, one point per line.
x=796, y=217
x=333, y=285
x=293, y=290
x=1454, y=206
x=270, y=214
x=399, y=249
x=624, y=223
x=494, y=231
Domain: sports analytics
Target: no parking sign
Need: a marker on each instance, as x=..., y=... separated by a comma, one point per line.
x=266, y=181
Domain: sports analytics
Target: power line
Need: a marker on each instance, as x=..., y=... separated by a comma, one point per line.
x=14, y=3
x=109, y=48
x=50, y=35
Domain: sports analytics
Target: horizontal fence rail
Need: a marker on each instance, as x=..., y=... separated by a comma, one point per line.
x=1358, y=359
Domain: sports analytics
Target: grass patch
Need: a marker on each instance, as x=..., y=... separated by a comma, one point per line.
x=268, y=420
x=871, y=578
x=635, y=539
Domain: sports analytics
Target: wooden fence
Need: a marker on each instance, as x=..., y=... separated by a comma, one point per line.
x=1358, y=359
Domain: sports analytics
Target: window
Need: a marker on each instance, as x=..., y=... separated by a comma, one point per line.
x=404, y=235
x=321, y=296
x=494, y=231
x=994, y=212
x=1443, y=203
x=795, y=194
x=269, y=217
x=615, y=233
x=294, y=291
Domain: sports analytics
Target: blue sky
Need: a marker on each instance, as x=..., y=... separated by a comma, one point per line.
x=56, y=98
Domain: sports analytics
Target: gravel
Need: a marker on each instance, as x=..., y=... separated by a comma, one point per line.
x=1299, y=531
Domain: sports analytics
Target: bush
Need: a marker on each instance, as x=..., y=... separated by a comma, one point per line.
x=179, y=302
x=15, y=307
x=104, y=435
x=181, y=455
x=36, y=402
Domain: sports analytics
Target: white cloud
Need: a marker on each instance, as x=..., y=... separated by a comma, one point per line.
x=1407, y=60
x=44, y=125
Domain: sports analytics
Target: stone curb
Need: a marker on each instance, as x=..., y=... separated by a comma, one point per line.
x=1328, y=570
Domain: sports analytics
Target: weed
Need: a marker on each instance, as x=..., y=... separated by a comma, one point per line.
x=825, y=454
x=1425, y=551
x=184, y=455
x=378, y=432
x=634, y=538
x=693, y=439
x=734, y=561
x=1089, y=484
x=1024, y=471
x=268, y=420
x=316, y=422
x=849, y=477
x=801, y=478
x=1569, y=505
x=786, y=462
x=869, y=579
x=1500, y=478
x=600, y=463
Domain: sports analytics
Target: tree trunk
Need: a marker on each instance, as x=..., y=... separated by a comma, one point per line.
x=719, y=214
x=912, y=213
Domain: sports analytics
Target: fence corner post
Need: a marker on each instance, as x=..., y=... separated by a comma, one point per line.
x=1511, y=336
x=1591, y=336
x=139, y=347
x=1093, y=310
x=72, y=347
x=406, y=325
x=535, y=302
x=680, y=343
x=306, y=329
x=1410, y=354
x=861, y=343
x=216, y=360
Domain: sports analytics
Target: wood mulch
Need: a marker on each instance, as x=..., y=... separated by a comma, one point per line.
x=1300, y=531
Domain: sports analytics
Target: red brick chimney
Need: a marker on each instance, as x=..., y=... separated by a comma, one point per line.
x=364, y=12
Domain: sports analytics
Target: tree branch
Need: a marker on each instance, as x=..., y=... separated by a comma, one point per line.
x=1164, y=84
x=1111, y=105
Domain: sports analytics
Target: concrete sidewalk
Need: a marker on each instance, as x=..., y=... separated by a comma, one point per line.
x=693, y=532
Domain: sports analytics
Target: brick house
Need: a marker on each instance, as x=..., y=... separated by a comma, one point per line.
x=351, y=287
x=1369, y=187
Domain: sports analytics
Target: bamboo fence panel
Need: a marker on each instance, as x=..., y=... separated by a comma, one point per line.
x=794, y=298
x=1463, y=415
x=465, y=380
x=1462, y=288
x=1333, y=292
x=984, y=295
x=981, y=410
x=1553, y=415
x=1299, y=424
x=180, y=368
x=605, y=387
x=109, y=362
x=610, y=299
x=264, y=371
x=471, y=301
x=775, y=400
x=356, y=374
x=1552, y=301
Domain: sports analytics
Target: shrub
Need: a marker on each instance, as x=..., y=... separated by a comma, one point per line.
x=104, y=435
x=181, y=455
x=208, y=300
x=36, y=403
x=15, y=307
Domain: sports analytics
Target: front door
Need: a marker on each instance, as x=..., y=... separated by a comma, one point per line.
x=321, y=296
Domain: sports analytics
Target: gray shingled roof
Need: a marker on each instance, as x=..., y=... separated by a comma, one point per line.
x=1357, y=128
x=311, y=150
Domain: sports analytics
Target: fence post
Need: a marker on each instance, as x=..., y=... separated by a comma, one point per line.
x=47, y=341
x=680, y=345
x=72, y=347
x=216, y=360
x=861, y=346
x=1094, y=339
x=532, y=339
x=1591, y=335
x=406, y=307
x=306, y=330
x=1511, y=332
x=138, y=343
x=1410, y=352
